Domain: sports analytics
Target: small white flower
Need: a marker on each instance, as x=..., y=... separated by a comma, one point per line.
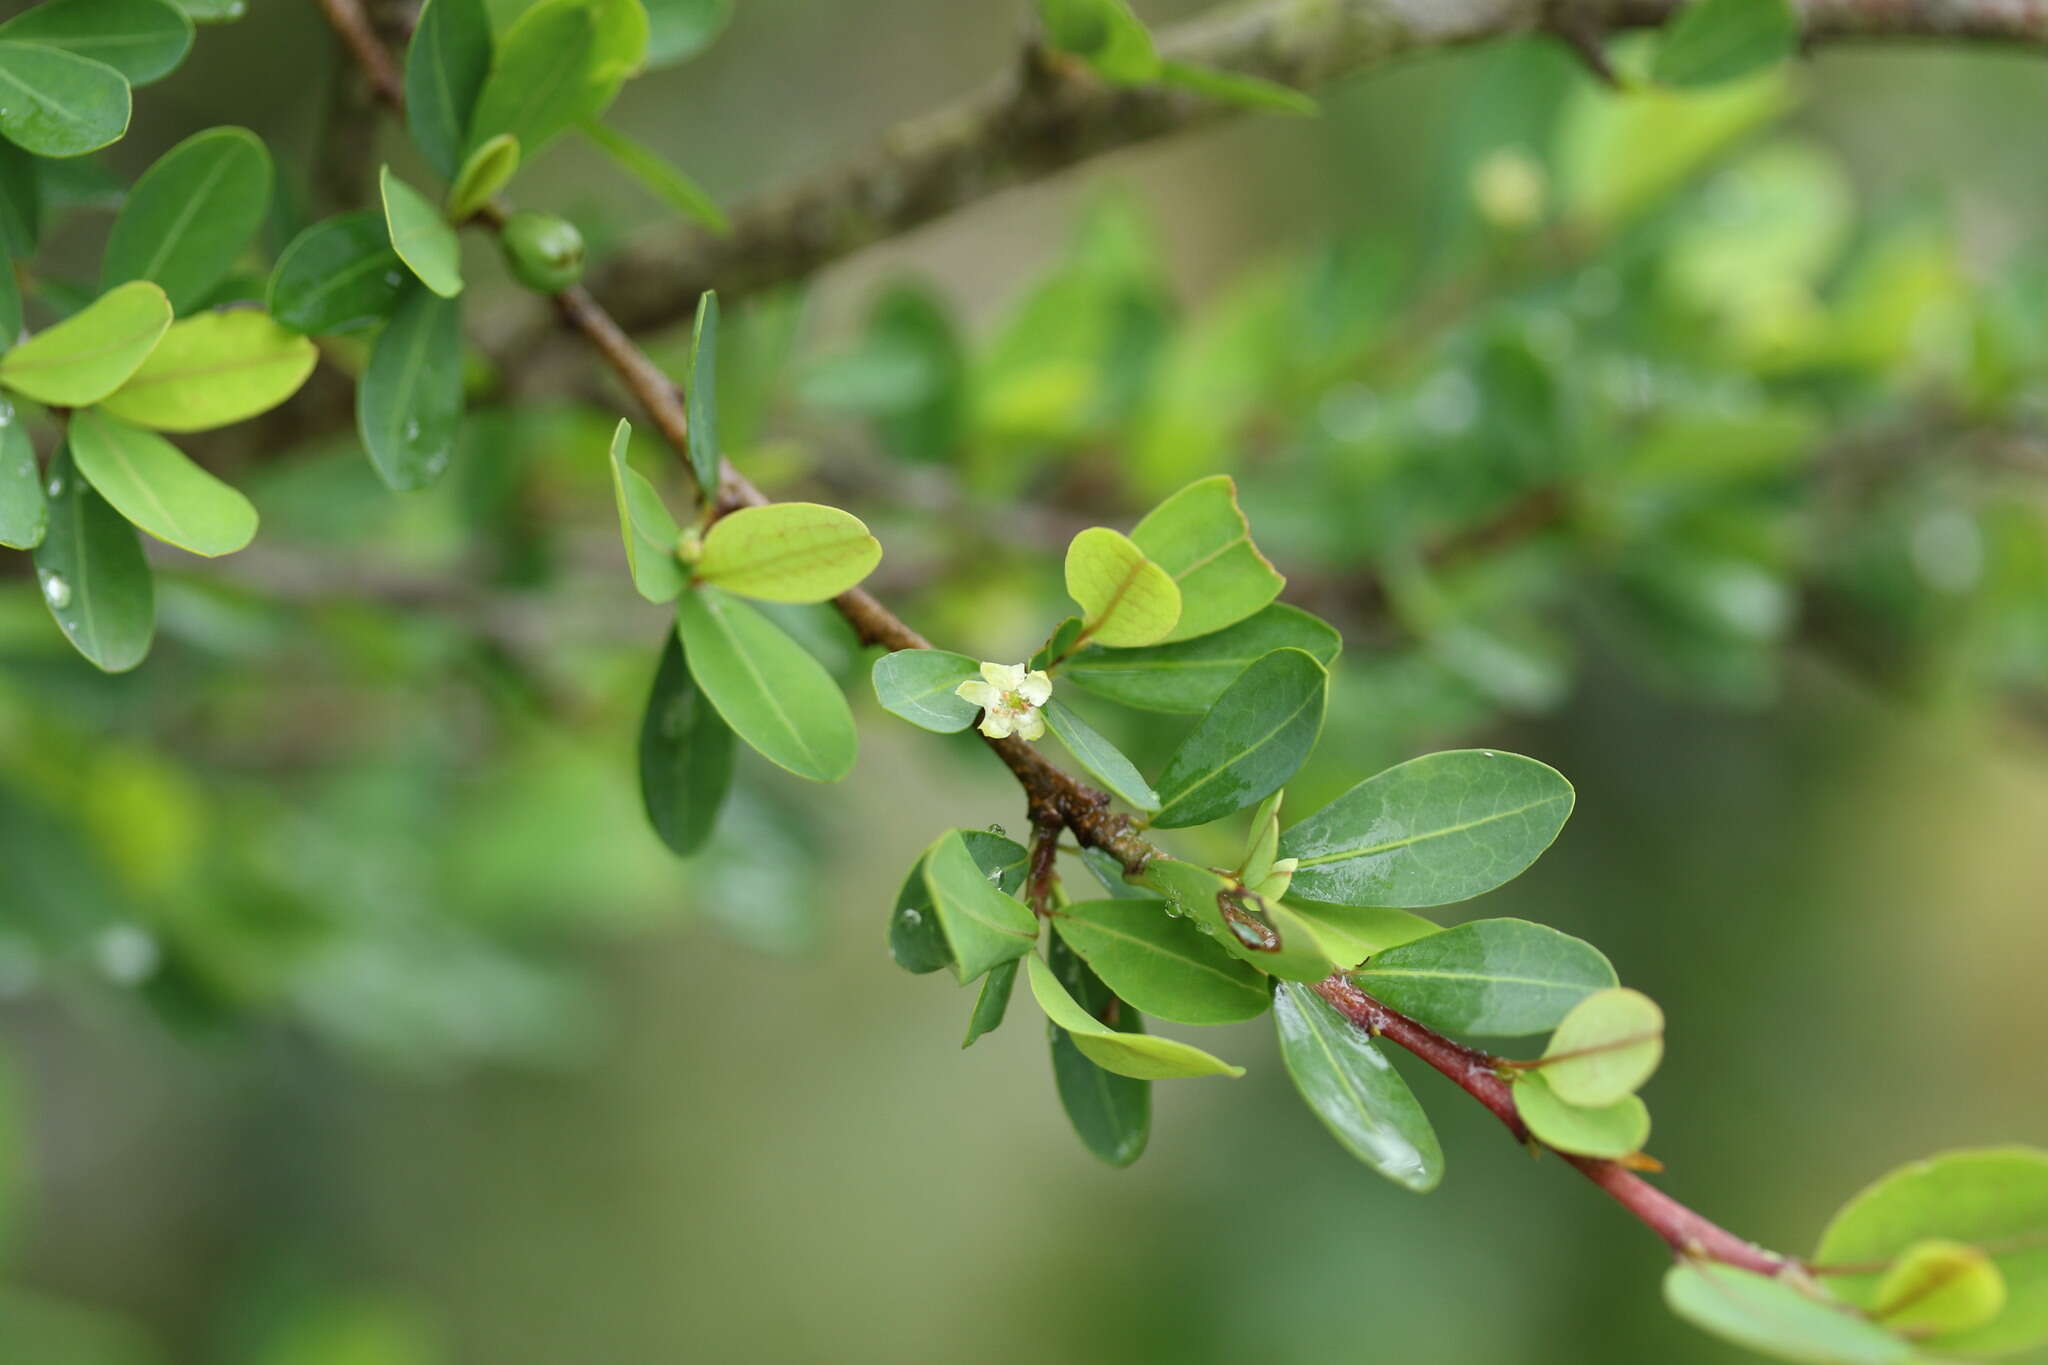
x=1009, y=699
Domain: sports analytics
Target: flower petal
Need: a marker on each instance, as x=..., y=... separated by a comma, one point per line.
x=1036, y=687
x=979, y=693
x=1004, y=677
x=997, y=724
x=1031, y=724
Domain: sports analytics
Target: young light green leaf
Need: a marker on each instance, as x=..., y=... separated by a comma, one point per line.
x=1100, y=758
x=1273, y=937
x=1605, y=1047
x=645, y=525
x=685, y=755
x=1611, y=1131
x=1938, y=1286
x=212, y=370
x=1200, y=537
x=919, y=685
x=983, y=924
x=560, y=63
x=409, y=404
x=1497, y=978
x=1352, y=1087
x=421, y=236
x=788, y=552
x=1188, y=676
x=1137, y=1055
x=1252, y=740
x=700, y=391
x=678, y=30
x=1436, y=829
x=1125, y=598
x=1712, y=41
x=668, y=183
x=993, y=1002
x=24, y=511
x=1993, y=1198
x=144, y=40
x=56, y=103
x=93, y=576
x=916, y=938
x=337, y=275
x=773, y=694
x=190, y=216
x=91, y=353
x=1111, y=1114
x=445, y=68
x=1235, y=87
x=155, y=485
x=1349, y=934
x=1105, y=34
x=486, y=172
x=1775, y=1318
x=1262, y=842
x=1161, y=963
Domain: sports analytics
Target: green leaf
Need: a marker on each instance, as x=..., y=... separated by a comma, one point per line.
x=486, y=172
x=983, y=924
x=1611, y=1131
x=1993, y=1198
x=1252, y=740
x=1939, y=1286
x=21, y=203
x=773, y=694
x=1352, y=1087
x=788, y=552
x=421, y=236
x=645, y=525
x=1289, y=949
x=1125, y=598
x=155, y=485
x=1349, y=934
x=144, y=40
x=1262, y=842
x=1161, y=963
x=214, y=11
x=1605, y=1048
x=1234, y=87
x=1498, y=978
x=685, y=755
x=24, y=511
x=678, y=30
x=93, y=576
x=409, y=404
x=1111, y=1114
x=1711, y=41
x=1201, y=538
x=1105, y=34
x=1775, y=1318
x=1101, y=758
x=993, y=1002
x=10, y=300
x=213, y=370
x=190, y=216
x=55, y=103
x=916, y=938
x=560, y=63
x=700, y=391
x=1436, y=829
x=667, y=182
x=1187, y=677
x=1137, y=1055
x=91, y=353
x=919, y=685
x=445, y=68
x=337, y=275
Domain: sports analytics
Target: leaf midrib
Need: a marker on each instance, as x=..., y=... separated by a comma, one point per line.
x=1445, y=831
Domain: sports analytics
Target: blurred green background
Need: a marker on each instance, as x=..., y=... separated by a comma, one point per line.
x=353, y=1017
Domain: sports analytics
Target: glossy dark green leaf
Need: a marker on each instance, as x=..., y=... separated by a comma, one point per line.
x=1711, y=41
x=421, y=236
x=1775, y=1317
x=1102, y=760
x=560, y=63
x=993, y=1002
x=91, y=353
x=24, y=510
x=337, y=275
x=1127, y=1054
x=1201, y=538
x=1111, y=1114
x=93, y=576
x=1161, y=963
x=1440, y=828
x=983, y=924
x=1609, y=1131
x=144, y=40
x=409, y=404
x=1250, y=742
x=445, y=68
x=1352, y=1087
x=919, y=685
x=1188, y=676
x=646, y=526
x=773, y=694
x=158, y=487
x=679, y=29
x=21, y=202
x=56, y=103
x=685, y=755
x=667, y=182
x=489, y=168
x=212, y=370
x=700, y=390
x=916, y=939
x=1493, y=977
x=190, y=216
x=1110, y=874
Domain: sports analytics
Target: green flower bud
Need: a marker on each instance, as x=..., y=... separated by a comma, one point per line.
x=545, y=252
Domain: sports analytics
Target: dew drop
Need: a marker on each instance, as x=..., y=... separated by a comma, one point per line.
x=56, y=590
x=56, y=485
x=998, y=830
x=127, y=953
x=393, y=278
x=412, y=429
x=6, y=412
x=911, y=917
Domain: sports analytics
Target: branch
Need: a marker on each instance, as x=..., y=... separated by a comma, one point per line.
x=1051, y=113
